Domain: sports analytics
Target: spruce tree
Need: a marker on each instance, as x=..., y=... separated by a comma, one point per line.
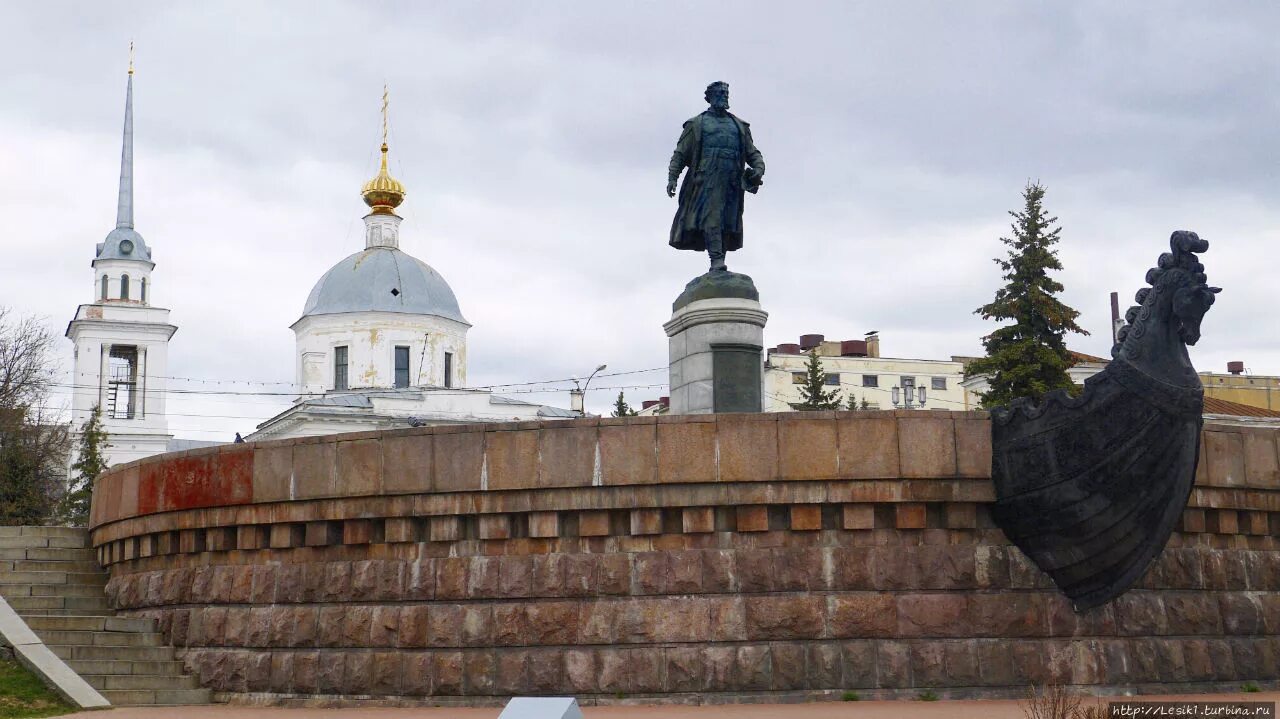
x=813, y=394
x=1029, y=356
x=73, y=510
x=621, y=408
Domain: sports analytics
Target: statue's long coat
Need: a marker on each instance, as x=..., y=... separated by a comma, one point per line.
x=685, y=233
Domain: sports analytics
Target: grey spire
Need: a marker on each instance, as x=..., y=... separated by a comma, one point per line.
x=124, y=211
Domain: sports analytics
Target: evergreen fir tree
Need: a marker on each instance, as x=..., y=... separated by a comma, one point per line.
x=1029, y=357
x=73, y=510
x=812, y=392
x=621, y=408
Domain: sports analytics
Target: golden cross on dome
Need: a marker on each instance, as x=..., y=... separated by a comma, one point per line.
x=130, y=57
x=385, y=100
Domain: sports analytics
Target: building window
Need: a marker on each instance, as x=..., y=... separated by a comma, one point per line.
x=340, y=368
x=832, y=379
x=104, y=288
x=142, y=292
x=402, y=366
x=122, y=388
x=448, y=369
x=797, y=377
x=907, y=382
x=938, y=383
x=870, y=380
x=124, y=287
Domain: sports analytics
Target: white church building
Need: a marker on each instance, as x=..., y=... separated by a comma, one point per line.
x=121, y=341
x=382, y=342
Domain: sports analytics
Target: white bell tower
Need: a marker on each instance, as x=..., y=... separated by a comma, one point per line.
x=121, y=340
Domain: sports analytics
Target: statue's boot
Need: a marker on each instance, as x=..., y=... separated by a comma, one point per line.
x=715, y=248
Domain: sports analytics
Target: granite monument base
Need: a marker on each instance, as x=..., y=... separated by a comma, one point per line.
x=716, y=336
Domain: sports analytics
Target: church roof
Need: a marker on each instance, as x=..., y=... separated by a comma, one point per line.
x=383, y=279
x=124, y=242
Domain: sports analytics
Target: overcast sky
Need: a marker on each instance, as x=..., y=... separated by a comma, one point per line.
x=533, y=139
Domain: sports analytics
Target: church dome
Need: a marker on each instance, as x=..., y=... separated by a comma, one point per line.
x=124, y=243
x=383, y=279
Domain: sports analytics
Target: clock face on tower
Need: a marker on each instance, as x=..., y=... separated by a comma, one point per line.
x=126, y=246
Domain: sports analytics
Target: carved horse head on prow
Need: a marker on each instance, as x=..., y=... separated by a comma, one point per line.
x=1169, y=312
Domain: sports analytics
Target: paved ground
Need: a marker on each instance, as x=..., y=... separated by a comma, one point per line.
x=825, y=710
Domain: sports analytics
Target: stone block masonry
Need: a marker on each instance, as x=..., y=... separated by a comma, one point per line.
x=693, y=558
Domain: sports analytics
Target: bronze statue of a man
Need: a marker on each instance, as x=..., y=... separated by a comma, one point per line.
x=716, y=146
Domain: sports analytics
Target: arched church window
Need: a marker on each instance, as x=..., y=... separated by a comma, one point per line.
x=124, y=287
x=104, y=287
x=142, y=292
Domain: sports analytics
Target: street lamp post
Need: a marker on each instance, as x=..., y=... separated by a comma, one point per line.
x=578, y=395
x=908, y=397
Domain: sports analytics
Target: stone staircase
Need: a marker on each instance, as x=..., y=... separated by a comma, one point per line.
x=50, y=577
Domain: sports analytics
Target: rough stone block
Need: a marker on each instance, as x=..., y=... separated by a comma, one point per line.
x=544, y=524
x=567, y=456
x=932, y=615
x=785, y=617
x=495, y=526
x=444, y=529
x=628, y=454
x=646, y=521
x=752, y=518
x=512, y=459
x=593, y=523
x=401, y=529
x=1224, y=521
x=860, y=615
x=806, y=517
x=698, y=520
x=909, y=515
x=1193, y=520
x=927, y=446
x=748, y=447
x=806, y=448
x=868, y=447
x=687, y=452
x=407, y=463
x=456, y=461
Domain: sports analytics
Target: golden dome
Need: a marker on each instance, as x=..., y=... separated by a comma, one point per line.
x=383, y=193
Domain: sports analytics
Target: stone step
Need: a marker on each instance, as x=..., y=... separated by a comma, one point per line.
x=97, y=579
x=58, y=590
x=51, y=565
x=68, y=605
x=61, y=553
x=132, y=654
x=99, y=639
x=84, y=623
x=122, y=666
x=140, y=681
x=157, y=697
x=44, y=532
x=43, y=542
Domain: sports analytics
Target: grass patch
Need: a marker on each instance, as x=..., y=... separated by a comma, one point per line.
x=1250, y=688
x=849, y=697
x=928, y=695
x=24, y=696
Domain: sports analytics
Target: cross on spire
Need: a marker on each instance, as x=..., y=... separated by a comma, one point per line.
x=385, y=101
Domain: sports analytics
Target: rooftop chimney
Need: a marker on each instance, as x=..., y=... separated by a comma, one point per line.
x=1235, y=367
x=873, y=344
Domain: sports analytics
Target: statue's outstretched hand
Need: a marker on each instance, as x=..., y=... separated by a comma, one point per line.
x=671, y=188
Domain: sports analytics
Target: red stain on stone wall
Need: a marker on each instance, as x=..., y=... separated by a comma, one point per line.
x=203, y=480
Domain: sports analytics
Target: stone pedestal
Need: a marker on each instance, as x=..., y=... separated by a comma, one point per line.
x=716, y=341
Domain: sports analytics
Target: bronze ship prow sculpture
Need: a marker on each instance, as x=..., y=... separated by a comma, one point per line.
x=1090, y=487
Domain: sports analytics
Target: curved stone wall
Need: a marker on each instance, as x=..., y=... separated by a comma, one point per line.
x=691, y=558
